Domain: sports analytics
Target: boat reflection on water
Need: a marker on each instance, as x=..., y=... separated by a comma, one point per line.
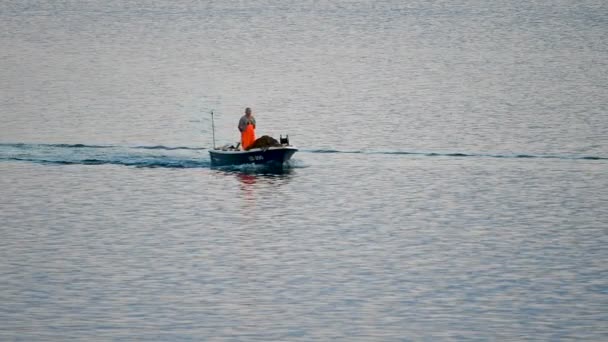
x=256, y=169
x=266, y=180
x=259, y=180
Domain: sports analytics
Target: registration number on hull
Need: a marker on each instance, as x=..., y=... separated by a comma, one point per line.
x=254, y=158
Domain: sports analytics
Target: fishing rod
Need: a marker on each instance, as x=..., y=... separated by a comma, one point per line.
x=213, y=129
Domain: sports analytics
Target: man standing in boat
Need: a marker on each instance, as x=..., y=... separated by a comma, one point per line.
x=247, y=128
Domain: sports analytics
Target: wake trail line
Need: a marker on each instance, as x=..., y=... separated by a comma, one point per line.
x=154, y=147
x=81, y=154
x=193, y=157
x=460, y=154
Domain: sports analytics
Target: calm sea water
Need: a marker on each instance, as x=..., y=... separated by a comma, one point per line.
x=450, y=185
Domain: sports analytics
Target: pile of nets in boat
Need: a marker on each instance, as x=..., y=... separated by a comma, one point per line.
x=264, y=142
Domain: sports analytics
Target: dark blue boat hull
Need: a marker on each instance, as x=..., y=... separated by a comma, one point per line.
x=274, y=156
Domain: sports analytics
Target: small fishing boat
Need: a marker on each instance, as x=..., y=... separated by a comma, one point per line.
x=274, y=155
x=233, y=156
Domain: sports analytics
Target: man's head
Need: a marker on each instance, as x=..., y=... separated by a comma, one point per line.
x=248, y=111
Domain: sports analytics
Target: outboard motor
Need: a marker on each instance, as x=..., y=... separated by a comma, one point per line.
x=284, y=141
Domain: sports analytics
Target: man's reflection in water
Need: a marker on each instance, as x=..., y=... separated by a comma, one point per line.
x=247, y=185
x=246, y=179
x=262, y=184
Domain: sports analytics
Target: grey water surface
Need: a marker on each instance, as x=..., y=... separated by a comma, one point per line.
x=450, y=184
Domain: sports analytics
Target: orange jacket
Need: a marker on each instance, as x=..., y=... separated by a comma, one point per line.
x=247, y=136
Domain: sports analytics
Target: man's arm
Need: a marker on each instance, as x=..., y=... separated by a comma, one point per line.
x=242, y=124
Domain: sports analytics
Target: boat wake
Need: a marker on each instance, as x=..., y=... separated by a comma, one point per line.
x=460, y=154
x=160, y=156
x=80, y=154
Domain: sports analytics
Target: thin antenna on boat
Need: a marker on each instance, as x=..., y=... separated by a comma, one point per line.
x=213, y=129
